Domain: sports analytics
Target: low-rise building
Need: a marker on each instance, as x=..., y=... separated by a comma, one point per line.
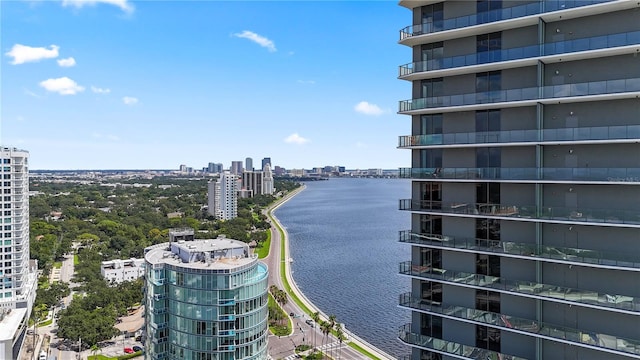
x=117, y=271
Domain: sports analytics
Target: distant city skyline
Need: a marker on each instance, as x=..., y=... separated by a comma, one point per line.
x=150, y=85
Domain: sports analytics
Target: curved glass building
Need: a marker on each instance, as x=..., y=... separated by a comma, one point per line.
x=205, y=300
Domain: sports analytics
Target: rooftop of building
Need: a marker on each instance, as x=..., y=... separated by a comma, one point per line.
x=220, y=253
x=10, y=322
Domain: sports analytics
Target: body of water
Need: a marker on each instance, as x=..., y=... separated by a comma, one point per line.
x=343, y=237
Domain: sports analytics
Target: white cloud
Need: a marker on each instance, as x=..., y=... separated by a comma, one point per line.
x=366, y=108
x=309, y=82
x=109, y=137
x=98, y=90
x=22, y=54
x=361, y=145
x=31, y=93
x=296, y=139
x=122, y=4
x=258, y=39
x=129, y=100
x=63, y=86
x=68, y=62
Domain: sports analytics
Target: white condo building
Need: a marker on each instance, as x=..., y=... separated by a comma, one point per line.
x=223, y=196
x=17, y=273
x=267, y=180
x=118, y=271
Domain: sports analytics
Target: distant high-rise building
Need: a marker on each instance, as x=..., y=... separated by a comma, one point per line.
x=214, y=198
x=267, y=181
x=252, y=181
x=266, y=161
x=183, y=168
x=18, y=274
x=248, y=164
x=228, y=196
x=205, y=299
x=525, y=206
x=214, y=168
x=236, y=167
x=279, y=171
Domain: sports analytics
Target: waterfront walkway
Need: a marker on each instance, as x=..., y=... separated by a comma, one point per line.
x=283, y=347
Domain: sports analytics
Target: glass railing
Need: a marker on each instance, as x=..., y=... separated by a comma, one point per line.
x=448, y=347
x=604, y=216
x=495, y=15
x=531, y=173
x=523, y=94
x=576, y=336
x=525, y=288
x=552, y=48
x=566, y=255
x=564, y=134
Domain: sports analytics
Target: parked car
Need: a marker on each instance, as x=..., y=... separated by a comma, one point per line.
x=309, y=322
x=128, y=350
x=43, y=355
x=137, y=348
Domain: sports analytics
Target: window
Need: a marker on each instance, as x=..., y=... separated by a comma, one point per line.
x=431, y=292
x=430, y=224
x=488, y=265
x=488, y=47
x=432, y=17
x=431, y=158
x=488, y=232
x=488, y=301
x=488, y=86
x=489, y=157
x=432, y=88
x=431, y=258
x=487, y=338
x=431, y=326
x=431, y=124
x=432, y=55
x=488, y=193
x=489, y=10
x=487, y=120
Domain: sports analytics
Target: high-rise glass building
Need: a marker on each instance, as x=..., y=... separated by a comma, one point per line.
x=17, y=273
x=525, y=168
x=205, y=300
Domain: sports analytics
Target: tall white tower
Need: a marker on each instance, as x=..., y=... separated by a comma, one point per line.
x=267, y=180
x=228, y=204
x=17, y=273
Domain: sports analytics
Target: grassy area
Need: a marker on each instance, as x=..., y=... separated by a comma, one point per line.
x=76, y=261
x=57, y=264
x=120, y=357
x=280, y=330
x=263, y=250
x=363, y=351
x=45, y=323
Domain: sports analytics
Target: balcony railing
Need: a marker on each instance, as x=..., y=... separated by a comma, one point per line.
x=552, y=331
x=531, y=173
x=564, y=134
x=552, y=48
x=523, y=94
x=628, y=304
x=604, y=216
x=532, y=251
x=449, y=347
x=495, y=15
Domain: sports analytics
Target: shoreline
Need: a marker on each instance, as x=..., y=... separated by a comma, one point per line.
x=287, y=259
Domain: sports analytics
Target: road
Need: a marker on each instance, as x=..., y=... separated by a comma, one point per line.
x=283, y=347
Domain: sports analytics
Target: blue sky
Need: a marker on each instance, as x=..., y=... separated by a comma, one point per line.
x=116, y=84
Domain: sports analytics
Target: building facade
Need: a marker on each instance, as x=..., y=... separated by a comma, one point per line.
x=248, y=164
x=525, y=168
x=205, y=300
x=266, y=161
x=267, y=180
x=252, y=182
x=223, y=196
x=118, y=271
x=18, y=274
x=236, y=167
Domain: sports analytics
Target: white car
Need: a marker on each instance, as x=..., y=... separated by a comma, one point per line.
x=43, y=355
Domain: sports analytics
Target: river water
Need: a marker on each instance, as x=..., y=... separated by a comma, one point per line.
x=343, y=237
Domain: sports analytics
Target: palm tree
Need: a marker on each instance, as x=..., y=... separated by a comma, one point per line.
x=341, y=337
x=316, y=318
x=332, y=324
x=326, y=329
x=95, y=349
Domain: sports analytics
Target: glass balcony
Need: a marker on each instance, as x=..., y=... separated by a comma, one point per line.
x=523, y=94
x=226, y=317
x=553, y=213
x=552, y=331
x=495, y=15
x=552, y=48
x=626, y=304
x=533, y=251
x=509, y=136
x=531, y=173
x=447, y=347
